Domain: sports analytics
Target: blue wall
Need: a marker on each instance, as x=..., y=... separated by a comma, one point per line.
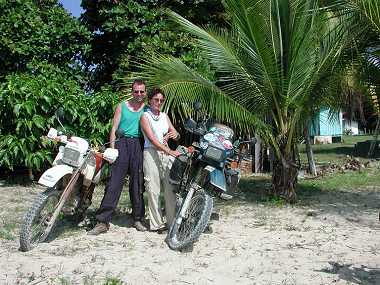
x=325, y=124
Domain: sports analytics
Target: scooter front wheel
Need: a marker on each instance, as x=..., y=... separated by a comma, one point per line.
x=42, y=216
x=38, y=217
x=184, y=231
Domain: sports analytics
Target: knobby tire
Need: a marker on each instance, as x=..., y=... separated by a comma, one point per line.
x=174, y=239
x=34, y=215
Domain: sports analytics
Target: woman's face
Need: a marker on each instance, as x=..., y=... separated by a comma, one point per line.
x=156, y=102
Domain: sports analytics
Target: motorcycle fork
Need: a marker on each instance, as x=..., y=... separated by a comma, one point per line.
x=185, y=205
x=65, y=194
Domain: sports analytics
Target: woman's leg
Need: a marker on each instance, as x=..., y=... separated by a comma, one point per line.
x=170, y=196
x=153, y=188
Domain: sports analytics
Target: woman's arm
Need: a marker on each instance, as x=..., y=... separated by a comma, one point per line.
x=144, y=123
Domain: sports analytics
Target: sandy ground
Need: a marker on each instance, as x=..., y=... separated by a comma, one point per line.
x=334, y=240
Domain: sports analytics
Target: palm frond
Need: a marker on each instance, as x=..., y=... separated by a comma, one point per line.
x=183, y=86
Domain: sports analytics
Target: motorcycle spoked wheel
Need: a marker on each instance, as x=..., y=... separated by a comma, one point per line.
x=193, y=225
x=32, y=231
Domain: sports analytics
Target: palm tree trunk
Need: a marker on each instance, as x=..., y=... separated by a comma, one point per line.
x=284, y=177
x=258, y=165
x=309, y=153
x=30, y=174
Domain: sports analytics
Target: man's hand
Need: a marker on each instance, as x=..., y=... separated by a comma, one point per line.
x=170, y=135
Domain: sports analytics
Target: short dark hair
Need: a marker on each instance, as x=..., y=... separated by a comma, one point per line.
x=138, y=82
x=154, y=92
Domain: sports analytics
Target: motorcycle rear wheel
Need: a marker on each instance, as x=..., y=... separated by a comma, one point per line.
x=33, y=228
x=193, y=225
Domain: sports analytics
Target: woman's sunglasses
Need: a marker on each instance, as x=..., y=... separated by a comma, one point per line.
x=158, y=100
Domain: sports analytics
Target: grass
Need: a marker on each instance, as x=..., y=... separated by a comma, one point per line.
x=89, y=280
x=113, y=281
x=338, y=181
x=336, y=152
x=7, y=230
x=256, y=189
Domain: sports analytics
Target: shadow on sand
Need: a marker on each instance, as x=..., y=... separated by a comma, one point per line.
x=357, y=275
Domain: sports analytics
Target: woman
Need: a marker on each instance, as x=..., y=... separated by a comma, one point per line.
x=158, y=158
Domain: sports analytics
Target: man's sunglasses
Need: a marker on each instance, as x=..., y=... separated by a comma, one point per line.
x=139, y=91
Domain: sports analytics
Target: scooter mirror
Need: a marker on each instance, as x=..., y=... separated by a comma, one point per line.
x=60, y=114
x=197, y=105
x=190, y=124
x=119, y=133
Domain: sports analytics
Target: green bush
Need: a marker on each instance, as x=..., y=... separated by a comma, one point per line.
x=28, y=102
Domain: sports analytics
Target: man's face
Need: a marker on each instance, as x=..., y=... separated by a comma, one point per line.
x=138, y=92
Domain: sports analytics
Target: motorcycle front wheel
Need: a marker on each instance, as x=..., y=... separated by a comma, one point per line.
x=41, y=217
x=194, y=223
x=36, y=219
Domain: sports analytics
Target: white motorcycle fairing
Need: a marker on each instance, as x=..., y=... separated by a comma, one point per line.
x=51, y=176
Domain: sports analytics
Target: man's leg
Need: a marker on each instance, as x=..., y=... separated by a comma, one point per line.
x=114, y=186
x=135, y=160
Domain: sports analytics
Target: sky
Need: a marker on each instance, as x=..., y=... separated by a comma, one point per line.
x=73, y=6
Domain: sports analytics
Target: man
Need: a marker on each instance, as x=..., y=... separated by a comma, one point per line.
x=126, y=118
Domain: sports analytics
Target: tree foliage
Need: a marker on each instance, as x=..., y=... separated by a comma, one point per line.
x=361, y=60
x=29, y=101
x=40, y=53
x=38, y=30
x=125, y=31
x=50, y=59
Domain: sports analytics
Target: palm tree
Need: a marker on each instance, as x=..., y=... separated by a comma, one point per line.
x=272, y=69
x=363, y=58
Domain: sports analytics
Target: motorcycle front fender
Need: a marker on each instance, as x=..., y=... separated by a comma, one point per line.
x=217, y=178
x=51, y=176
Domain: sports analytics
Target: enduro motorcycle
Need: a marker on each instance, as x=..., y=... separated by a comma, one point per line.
x=207, y=169
x=69, y=183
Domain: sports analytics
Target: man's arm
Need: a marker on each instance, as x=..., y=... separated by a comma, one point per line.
x=172, y=133
x=115, y=125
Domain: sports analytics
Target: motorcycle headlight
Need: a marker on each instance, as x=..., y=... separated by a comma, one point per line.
x=71, y=156
x=203, y=144
x=214, y=153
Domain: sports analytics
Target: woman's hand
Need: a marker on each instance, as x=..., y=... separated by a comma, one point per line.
x=174, y=153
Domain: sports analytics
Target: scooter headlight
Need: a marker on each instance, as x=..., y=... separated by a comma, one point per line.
x=203, y=144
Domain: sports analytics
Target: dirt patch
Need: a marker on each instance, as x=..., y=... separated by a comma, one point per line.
x=334, y=241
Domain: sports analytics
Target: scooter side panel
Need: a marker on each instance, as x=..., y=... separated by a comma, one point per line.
x=51, y=176
x=218, y=179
